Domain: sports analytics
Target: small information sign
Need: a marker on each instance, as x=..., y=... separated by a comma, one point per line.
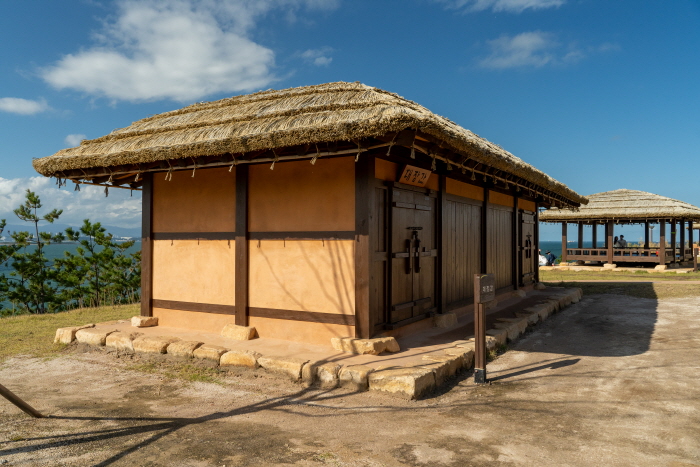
x=414, y=176
x=484, y=288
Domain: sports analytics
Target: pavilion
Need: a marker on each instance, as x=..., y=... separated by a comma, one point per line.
x=623, y=206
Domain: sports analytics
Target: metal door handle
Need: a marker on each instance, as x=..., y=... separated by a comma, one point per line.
x=415, y=235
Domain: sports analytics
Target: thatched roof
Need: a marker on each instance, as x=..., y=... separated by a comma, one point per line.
x=625, y=206
x=291, y=117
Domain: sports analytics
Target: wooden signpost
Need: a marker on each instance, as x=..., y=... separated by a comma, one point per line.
x=484, y=291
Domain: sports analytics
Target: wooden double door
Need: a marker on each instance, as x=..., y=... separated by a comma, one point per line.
x=413, y=255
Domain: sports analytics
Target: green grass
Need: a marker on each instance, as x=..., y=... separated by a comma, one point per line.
x=626, y=276
x=182, y=371
x=656, y=290
x=33, y=334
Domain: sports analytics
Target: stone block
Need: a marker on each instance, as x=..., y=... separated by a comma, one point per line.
x=67, y=335
x=246, y=358
x=531, y=318
x=465, y=353
x=327, y=375
x=499, y=335
x=183, y=349
x=540, y=286
x=239, y=333
x=354, y=377
x=365, y=346
x=519, y=293
x=411, y=383
x=441, y=372
x=289, y=366
x=454, y=362
x=93, y=336
x=144, y=321
x=120, y=341
x=609, y=266
x=210, y=352
x=152, y=344
x=445, y=320
x=514, y=326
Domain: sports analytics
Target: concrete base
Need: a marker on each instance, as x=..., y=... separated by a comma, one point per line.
x=609, y=266
x=660, y=267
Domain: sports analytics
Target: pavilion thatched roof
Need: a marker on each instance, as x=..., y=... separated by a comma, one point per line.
x=274, y=120
x=625, y=206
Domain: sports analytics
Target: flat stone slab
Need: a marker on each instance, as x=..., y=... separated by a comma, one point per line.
x=92, y=336
x=500, y=336
x=365, y=346
x=411, y=383
x=210, y=352
x=183, y=349
x=67, y=335
x=289, y=366
x=465, y=353
x=155, y=344
x=453, y=364
x=445, y=320
x=144, y=321
x=239, y=333
x=244, y=358
x=355, y=377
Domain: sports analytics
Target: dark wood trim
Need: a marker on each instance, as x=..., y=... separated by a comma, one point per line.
x=609, y=231
x=682, y=238
x=193, y=306
x=500, y=207
x=515, y=261
x=462, y=199
x=147, y=245
x=364, y=194
x=536, y=233
x=441, y=286
x=646, y=235
x=428, y=314
x=564, y=244
x=320, y=235
x=194, y=235
x=594, y=234
x=241, y=247
x=662, y=242
x=673, y=240
x=306, y=316
x=580, y=235
x=485, y=231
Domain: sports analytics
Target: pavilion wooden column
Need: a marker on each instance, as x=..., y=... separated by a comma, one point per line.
x=673, y=241
x=609, y=230
x=241, y=246
x=682, y=240
x=563, y=242
x=662, y=242
x=594, y=240
x=147, y=245
x=646, y=235
x=580, y=234
x=690, y=238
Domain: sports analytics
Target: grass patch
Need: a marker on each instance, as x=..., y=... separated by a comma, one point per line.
x=612, y=275
x=33, y=334
x=655, y=290
x=182, y=371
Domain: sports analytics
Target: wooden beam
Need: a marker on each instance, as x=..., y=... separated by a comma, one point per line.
x=147, y=246
x=241, y=266
x=673, y=240
x=646, y=235
x=442, y=240
x=515, y=251
x=364, y=192
x=594, y=240
x=485, y=232
x=537, y=242
x=682, y=239
x=580, y=234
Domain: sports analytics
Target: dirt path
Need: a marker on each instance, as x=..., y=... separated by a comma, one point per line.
x=612, y=380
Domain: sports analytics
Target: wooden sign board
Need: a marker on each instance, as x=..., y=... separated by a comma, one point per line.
x=484, y=288
x=414, y=176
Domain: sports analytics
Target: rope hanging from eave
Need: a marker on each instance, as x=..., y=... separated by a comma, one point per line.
x=318, y=153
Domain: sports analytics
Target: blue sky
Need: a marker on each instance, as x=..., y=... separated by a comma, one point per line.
x=598, y=94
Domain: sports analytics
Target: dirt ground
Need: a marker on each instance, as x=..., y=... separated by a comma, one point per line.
x=613, y=380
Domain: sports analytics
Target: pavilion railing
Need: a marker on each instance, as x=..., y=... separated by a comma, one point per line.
x=626, y=254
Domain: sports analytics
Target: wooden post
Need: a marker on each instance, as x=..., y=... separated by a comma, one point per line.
x=609, y=230
x=485, y=232
x=515, y=262
x=563, y=243
x=147, y=245
x=580, y=234
x=12, y=397
x=241, y=246
x=442, y=264
x=662, y=242
x=682, y=240
x=673, y=241
x=690, y=235
x=484, y=291
x=646, y=235
x=364, y=189
x=594, y=240
x=536, y=234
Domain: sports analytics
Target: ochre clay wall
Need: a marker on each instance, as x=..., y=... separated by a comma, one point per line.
x=295, y=265
x=526, y=205
x=465, y=190
x=197, y=321
x=203, y=203
x=500, y=198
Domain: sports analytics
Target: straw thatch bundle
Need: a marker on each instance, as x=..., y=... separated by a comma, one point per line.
x=278, y=119
x=624, y=206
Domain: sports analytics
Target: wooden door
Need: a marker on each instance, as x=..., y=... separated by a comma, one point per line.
x=528, y=253
x=413, y=255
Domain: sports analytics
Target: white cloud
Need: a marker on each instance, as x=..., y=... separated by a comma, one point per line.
x=529, y=49
x=74, y=140
x=178, y=49
x=19, y=106
x=318, y=57
x=119, y=209
x=510, y=6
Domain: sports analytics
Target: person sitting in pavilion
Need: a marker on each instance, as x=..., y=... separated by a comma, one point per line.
x=623, y=242
x=616, y=243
